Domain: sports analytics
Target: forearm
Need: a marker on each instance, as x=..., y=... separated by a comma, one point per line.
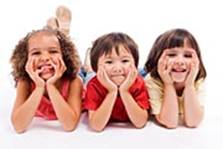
x=137, y=115
x=193, y=110
x=99, y=118
x=23, y=115
x=169, y=111
x=67, y=116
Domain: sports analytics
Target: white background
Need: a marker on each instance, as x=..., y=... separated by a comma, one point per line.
x=143, y=20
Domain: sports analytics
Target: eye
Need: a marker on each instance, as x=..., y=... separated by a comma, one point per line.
x=188, y=55
x=125, y=60
x=171, y=54
x=54, y=51
x=35, y=53
x=108, y=62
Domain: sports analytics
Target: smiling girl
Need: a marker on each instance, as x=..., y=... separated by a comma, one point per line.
x=175, y=79
x=45, y=64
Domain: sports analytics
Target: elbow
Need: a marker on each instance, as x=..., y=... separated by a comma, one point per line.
x=140, y=125
x=192, y=124
x=68, y=127
x=18, y=127
x=167, y=124
x=96, y=128
x=170, y=126
x=142, y=122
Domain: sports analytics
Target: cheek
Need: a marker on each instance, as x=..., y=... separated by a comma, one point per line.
x=107, y=69
x=127, y=69
x=188, y=62
x=171, y=60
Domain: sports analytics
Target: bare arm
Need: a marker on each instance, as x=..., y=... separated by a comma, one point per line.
x=137, y=115
x=98, y=119
x=193, y=110
x=169, y=111
x=25, y=105
x=68, y=113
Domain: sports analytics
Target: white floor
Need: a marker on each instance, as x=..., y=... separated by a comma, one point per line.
x=49, y=134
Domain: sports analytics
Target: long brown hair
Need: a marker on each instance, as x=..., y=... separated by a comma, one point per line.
x=171, y=39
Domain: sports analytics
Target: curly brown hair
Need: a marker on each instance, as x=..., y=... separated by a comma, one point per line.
x=69, y=53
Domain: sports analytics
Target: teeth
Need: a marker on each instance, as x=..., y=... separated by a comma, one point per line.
x=180, y=70
x=46, y=66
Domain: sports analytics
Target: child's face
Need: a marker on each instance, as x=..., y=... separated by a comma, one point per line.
x=117, y=66
x=181, y=59
x=44, y=49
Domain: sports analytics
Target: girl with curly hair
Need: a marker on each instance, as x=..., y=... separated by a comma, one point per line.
x=45, y=65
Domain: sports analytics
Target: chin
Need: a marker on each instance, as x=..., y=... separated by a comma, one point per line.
x=46, y=76
x=118, y=82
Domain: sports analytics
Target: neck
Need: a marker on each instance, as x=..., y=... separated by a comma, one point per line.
x=179, y=88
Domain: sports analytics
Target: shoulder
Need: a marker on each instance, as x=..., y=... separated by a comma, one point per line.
x=200, y=84
x=22, y=83
x=94, y=82
x=77, y=81
x=138, y=84
x=24, y=88
x=152, y=82
x=139, y=80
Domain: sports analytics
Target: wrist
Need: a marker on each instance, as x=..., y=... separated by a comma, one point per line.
x=190, y=86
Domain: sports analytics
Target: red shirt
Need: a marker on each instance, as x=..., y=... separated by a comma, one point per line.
x=96, y=93
x=45, y=108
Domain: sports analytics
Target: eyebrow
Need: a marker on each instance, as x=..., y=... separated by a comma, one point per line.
x=33, y=49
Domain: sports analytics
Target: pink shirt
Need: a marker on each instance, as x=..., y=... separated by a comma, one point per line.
x=45, y=108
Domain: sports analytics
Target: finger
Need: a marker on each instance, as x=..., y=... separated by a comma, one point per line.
x=63, y=65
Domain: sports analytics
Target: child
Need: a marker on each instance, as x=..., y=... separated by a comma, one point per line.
x=45, y=65
x=117, y=92
x=176, y=75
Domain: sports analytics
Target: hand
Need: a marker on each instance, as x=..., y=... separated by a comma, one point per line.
x=59, y=68
x=105, y=80
x=131, y=77
x=194, y=68
x=34, y=74
x=164, y=68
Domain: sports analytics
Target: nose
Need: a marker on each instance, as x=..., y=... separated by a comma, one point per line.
x=45, y=57
x=117, y=68
x=179, y=60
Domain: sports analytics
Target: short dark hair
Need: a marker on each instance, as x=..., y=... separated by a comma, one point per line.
x=171, y=39
x=105, y=44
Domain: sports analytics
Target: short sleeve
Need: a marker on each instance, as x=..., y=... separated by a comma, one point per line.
x=200, y=88
x=140, y=94
x=155, y=90
x=92, y=98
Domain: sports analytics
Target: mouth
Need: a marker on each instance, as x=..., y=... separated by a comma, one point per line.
x=179, y=70
x=46, y=68
x=117, y=79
